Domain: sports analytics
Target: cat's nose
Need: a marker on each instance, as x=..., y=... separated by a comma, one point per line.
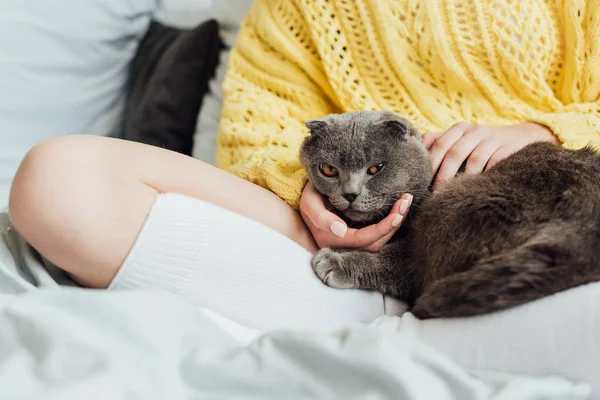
x=350, y=196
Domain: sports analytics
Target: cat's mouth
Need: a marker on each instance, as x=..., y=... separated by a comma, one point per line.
x=359, y=218
x=359, y=213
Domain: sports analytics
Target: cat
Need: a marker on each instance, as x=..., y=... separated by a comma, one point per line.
x=526, y=228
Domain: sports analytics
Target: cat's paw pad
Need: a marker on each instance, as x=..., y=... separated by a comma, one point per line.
x=329, y=267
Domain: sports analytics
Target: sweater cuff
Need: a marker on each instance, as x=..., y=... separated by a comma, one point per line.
x=574, y=130
x=285, y=177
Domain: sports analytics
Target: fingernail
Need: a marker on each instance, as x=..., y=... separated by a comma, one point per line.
x=338, y=229
x=397, y=221
x=403, y=207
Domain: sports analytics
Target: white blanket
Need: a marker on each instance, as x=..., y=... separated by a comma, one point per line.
x=75, y=344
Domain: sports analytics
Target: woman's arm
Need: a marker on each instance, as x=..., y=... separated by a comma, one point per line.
x=571, y=118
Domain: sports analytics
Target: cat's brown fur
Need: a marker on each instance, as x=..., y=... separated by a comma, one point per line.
x=527, y=228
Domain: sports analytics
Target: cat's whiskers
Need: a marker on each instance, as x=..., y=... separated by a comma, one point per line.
x=416, y=206
x=419, y=191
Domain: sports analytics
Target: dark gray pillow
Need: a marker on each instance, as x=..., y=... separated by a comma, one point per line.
x=169, y=78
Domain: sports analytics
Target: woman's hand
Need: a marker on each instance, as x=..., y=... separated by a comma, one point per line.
x=481, y=146
x=329, y=230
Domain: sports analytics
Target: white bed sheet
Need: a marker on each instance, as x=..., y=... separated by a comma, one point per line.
x=81, y=344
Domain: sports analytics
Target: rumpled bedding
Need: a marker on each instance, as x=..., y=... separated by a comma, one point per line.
x=61, y=342
x=75, y=344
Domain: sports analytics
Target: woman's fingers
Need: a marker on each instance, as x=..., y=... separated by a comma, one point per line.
x=498, y=156
x=456, y=155
x=443, y=143
x=313, y=209
x=380, y=243
x=373, y=237
x=480, y=157
x=329, y=230
x=430, y=137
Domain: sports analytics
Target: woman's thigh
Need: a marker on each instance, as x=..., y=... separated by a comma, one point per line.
x=81, y=201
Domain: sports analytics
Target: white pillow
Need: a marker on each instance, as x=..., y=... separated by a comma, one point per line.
x=184, y=13
x=63, y=70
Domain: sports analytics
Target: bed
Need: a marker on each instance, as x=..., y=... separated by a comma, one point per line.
x=59, y=341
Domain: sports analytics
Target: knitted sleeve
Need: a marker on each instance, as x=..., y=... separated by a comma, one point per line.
x=274, y=84
x=577, y=124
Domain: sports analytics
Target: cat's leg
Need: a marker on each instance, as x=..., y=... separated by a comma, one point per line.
x=384, y=271
x=524, y=274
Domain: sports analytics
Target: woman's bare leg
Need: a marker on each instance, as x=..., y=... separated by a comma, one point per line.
x=82, y=200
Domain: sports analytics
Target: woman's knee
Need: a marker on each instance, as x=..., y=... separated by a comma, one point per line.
x=38, y=181
x=73, y=204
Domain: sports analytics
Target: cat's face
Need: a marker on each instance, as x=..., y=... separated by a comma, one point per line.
x=364, y=161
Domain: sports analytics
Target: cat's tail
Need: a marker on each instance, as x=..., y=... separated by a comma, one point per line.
x=507, y=280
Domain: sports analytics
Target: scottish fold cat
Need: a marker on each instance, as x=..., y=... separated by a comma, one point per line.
x=524, y=229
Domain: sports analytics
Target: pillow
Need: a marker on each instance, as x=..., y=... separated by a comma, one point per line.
x=64, y=70
x=169, y=78
x=230, y=14
x=185, y=13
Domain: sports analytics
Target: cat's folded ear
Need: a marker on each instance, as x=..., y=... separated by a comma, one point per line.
x=397, y=125
x=316, y=126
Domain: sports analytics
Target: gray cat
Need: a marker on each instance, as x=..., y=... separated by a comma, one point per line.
x=524, y=229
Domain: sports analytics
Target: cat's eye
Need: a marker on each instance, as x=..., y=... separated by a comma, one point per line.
x=375, y=169
x=328, y=170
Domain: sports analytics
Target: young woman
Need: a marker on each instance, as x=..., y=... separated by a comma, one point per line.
x=483, y=78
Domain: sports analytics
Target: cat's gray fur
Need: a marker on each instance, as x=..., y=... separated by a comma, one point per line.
x=526, y=228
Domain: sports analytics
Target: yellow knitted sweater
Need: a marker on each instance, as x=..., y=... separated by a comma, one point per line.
x=435, y=62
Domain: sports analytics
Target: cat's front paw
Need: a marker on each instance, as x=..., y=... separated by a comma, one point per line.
x=329, y=267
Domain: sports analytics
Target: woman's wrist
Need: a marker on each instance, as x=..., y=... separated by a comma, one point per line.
x=542, y=131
